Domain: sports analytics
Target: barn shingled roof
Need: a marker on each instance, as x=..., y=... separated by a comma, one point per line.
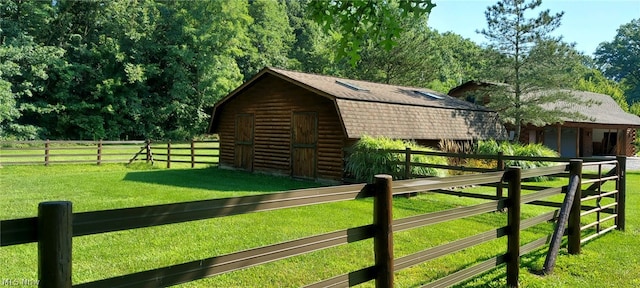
x=375, y=109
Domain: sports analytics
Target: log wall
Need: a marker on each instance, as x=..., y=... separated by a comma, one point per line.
x=272, y=101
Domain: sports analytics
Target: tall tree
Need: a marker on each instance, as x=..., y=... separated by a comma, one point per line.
x=422, y=58
x=359, y=21
x=117, y=69
x=270, y=38
x=533, y=64
x=594, y=81
x=311, y=49
x=456, y=60
x=28, y=68
x=411, y=62
x=620, y=58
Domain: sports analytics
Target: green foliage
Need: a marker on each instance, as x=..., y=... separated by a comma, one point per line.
x=595, y=82
x=270, y=38
x=153, y=69
x=358, y=21
x=311, y=50
x=620, y=58
x=492, y=147
x=438, y=61
x=368, y=158
x=635, y=109
x=28, y=69
x=8, y=110
x=414, y=49
x=120, y=69
x=530, y=62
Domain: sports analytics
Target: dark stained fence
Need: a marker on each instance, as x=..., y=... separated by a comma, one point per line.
x=500, y=160
x=67, y=152
x=85, y=152
x=194, y=152
x=609, y=203
x=27, y=230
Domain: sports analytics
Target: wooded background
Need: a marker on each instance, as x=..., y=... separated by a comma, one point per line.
x=118, y=70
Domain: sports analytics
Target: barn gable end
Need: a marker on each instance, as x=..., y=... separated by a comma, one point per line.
x=310, y=149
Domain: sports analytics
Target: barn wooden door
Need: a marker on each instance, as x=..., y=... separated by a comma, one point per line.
x=244, y=142
x=304, y=141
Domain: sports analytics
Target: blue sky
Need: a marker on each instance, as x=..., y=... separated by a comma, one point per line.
x=585, y=22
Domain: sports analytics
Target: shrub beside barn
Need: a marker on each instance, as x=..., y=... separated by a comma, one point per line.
x=297, y=124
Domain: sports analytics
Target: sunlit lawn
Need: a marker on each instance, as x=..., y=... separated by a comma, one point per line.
x=95, y=257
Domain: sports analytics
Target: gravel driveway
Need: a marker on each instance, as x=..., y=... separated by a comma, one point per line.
x=633, y=164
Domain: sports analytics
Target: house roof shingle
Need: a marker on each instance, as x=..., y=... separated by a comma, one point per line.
x=604, y=109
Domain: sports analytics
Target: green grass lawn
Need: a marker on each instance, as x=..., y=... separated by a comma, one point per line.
x=610, y=259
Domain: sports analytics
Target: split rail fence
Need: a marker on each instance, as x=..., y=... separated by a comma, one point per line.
x=82, y=152
x=601, y=204
x=194, y=152
x=56, y=225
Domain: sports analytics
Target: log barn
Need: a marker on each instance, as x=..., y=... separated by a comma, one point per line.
x=292, y=123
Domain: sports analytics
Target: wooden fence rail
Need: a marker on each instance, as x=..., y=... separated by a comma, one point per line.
x=55, y=226
x=66, y=152
x=194, y=152
x=82, y=152
x=500, y=159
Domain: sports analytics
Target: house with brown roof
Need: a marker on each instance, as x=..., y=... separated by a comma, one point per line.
x=297, y=124
x=606, y=129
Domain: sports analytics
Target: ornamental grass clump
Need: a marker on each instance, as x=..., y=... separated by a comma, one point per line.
x=370, y=156
x=491, y=147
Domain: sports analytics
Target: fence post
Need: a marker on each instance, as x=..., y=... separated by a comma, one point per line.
x=575, y=172
x=54, y=244
x=193, y=155
x=46, y=152
x=383, y=241
x=169, y=154
x=513, y=176
x=147, y=146
x=621, y=186
x=567, y=205
x=99, y=151
x=500, y=167
x=407, y=163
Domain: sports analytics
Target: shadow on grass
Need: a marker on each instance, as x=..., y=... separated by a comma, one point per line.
x=213, y=178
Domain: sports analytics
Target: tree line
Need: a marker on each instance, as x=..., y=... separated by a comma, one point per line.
x=154, y=69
